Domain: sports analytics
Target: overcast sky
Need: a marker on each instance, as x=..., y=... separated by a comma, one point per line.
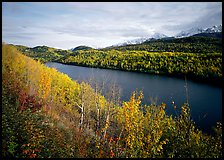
x=66, y=25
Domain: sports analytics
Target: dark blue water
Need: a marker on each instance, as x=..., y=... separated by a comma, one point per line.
x=205, y=100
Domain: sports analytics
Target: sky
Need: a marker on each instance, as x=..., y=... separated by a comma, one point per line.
x=66, y=25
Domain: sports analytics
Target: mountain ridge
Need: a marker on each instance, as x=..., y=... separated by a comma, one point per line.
x=186, y=33
x=195, y=30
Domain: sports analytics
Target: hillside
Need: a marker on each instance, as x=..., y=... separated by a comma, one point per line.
x=81, y=48
x=47, y=115
x=43, y=53
x=197, y=57
x=41, y=109
x=193, y=44
x=214, y=35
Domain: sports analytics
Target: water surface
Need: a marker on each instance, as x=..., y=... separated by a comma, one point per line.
x=205, y=100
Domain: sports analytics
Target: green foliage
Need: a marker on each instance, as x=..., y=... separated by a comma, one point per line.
x=198, y=66
x=191, y=142
x=81, y=48
x=42, y=109
x=188, y=45
x=43, y=53
x=198, y=57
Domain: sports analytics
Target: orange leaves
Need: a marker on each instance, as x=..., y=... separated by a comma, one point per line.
x=111, y=139
x=27, y=101
x=111, y=153
x=32, y=156
x=30, y=151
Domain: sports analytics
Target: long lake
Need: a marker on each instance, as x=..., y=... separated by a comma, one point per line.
x=205, y=100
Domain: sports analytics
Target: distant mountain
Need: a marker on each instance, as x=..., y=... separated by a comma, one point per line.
x=158, y=36
x=189, y=32
x=40, y=49
x=191, y=44
x=214, y=35
x=194, y=31
x=214, y=29
x=81, y=48
x=154, y=36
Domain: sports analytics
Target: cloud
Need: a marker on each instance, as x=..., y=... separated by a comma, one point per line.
x=68, y=24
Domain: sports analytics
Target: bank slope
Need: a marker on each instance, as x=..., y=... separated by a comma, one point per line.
x=47, y=115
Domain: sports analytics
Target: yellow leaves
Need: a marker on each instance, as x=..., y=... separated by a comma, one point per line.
x=106, y=125
x=164, y=141
x=156, y=123
x=159, y=148
x=44, y=84
x=24, y=145
x=184, y=109
x=213, y=69
x=196, y=137
x=160, y=132
x=133, y=120
x=163, y=106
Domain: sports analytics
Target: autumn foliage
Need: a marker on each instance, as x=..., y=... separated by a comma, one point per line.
x=45, y=114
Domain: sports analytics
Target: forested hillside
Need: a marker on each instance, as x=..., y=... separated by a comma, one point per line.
x=43, y=53
x=192, y=44
x=197, y=57
x=197, y=66
x=45, y=114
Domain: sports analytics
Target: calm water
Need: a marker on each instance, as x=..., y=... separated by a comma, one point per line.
x=205, y=100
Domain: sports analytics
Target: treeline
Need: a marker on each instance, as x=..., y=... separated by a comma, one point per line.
x=198, y=58
x=191, y=44
x=43, y=53
x=198, y=66
x=45, y=114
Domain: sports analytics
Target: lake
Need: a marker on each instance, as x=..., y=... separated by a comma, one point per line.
x=205, y=100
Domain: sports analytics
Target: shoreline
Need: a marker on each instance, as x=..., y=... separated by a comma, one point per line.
x=217, y=82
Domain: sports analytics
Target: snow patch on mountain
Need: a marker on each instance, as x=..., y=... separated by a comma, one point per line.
x=194, y=31
x=182, y=34
x=142, y=39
